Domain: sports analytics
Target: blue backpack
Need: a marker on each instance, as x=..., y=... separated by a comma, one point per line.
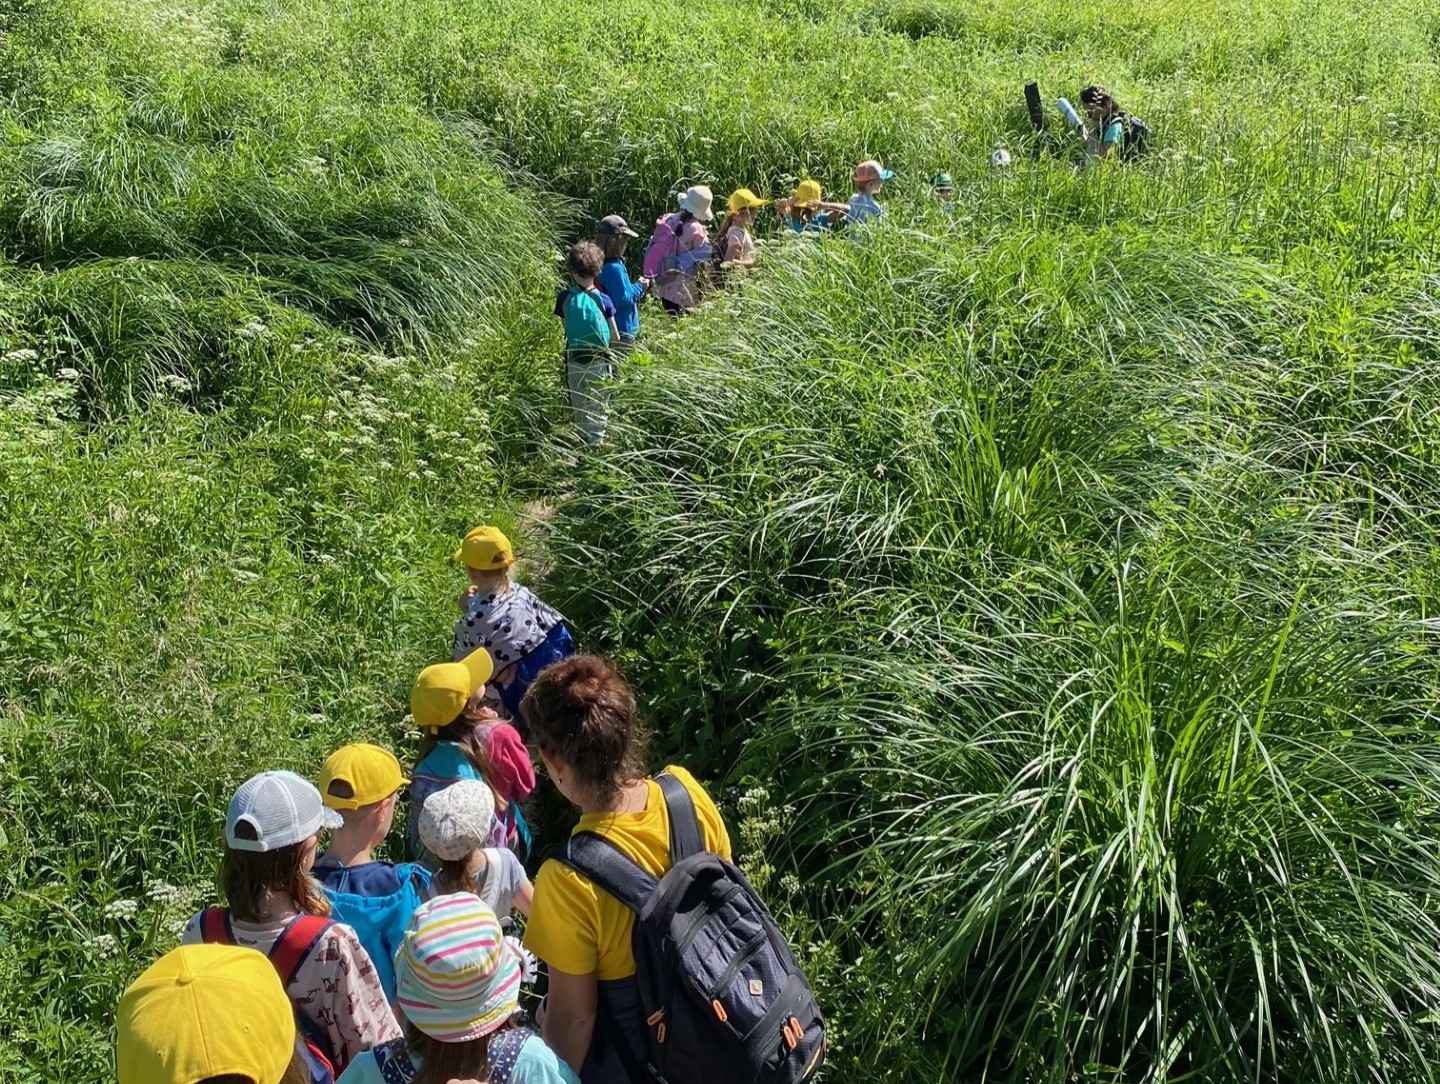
x=586, y=327
x=380, y=921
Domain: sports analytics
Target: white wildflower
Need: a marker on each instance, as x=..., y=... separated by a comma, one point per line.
x=102, y=946
x=122, y=908
x=23, y=354
x=67, y=374
x=175, y=383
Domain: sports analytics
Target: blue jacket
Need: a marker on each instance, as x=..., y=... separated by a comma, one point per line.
x=614, y=282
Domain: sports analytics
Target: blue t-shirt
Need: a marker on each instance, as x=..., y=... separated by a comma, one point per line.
x=614, y=282
x=863, y=208
x=366, y=879
x=1114, y=131
x=516, y=1057
x=816, y=225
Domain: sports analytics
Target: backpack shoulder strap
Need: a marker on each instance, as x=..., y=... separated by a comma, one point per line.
x=686, y=839
x=295, y=943
x=215, y=926
x=602, y=863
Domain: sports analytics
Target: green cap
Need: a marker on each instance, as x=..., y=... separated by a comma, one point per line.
x=941, y=180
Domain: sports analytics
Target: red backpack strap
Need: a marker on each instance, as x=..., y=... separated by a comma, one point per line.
x=215, y=926
x=296, y=942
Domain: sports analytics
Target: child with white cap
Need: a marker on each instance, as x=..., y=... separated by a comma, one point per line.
x=870, y=177
x=680, y=249
x=459, y=983
x=207, y=1012
x=455, y=827
x=272, y=826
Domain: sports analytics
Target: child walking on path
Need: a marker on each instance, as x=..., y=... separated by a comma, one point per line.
x=466, y=741
x=521, y=633
x=870, y=178
x=589, y=319
x=679, y=251
x=362, y=784
x=806, y=212
x=614, y=235
x=207, y=1013
x=459, y=989
x=736, y=247
x=455, y=828
x=277, y=907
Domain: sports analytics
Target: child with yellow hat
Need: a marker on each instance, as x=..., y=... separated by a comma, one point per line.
x=520, y=633
x=207, y=1012
x=463, y=739
x=807, y=211
x=362, y=783
x=735, y=247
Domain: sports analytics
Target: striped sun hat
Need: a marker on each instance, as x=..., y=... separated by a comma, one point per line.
x=456, y=979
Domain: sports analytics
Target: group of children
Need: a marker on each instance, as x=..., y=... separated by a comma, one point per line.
x=600, y=308
x=350, y=945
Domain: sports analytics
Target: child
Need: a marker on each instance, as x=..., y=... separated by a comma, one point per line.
x=679, y=250
x=521, y=633
x=376, y=899
x=275, y=906
x=614, y=235
x=735, y=247
x=589, y=318
x=1112, y=131
x=207, y=1012
x=870, y=177
x=466, y=741
x=943, y=187
x=459, y=988
x=455, y=828
x=806, y=212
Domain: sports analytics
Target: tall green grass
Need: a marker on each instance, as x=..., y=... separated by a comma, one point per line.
x=1075, y=588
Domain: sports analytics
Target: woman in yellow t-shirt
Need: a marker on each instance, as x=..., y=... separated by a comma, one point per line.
x=582, y=715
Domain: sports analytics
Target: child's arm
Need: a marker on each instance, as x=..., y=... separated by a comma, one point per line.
x=835, y=208
x=524, y=896
x=614, y=329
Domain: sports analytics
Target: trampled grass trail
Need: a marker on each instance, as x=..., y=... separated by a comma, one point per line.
x=1048, y=586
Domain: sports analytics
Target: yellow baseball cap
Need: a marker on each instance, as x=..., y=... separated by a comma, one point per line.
x=204, y=1011
x=807, y=191
x=486, y=548
x=369, y=773
x=440, y=692
x=743, y=199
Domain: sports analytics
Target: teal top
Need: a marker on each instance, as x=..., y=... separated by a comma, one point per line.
x=516, y=1057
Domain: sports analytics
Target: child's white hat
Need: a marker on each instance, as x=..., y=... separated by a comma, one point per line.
x=697, y=200
x=456, y=821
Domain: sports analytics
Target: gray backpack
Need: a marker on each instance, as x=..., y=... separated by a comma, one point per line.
x=721, y=998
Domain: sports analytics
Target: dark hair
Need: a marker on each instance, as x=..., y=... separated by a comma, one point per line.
x=581, y=710
x=585, y=259
x=1095, y=94
x=295, y=1073
x=442, y=1062
x=246, y=876
x=464, y=732
x=612, y=245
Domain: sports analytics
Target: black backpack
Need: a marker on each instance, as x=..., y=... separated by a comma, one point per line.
x=722, y=999
x=1137, y=136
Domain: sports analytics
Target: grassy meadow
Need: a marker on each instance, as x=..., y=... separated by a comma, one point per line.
x=1048, y=587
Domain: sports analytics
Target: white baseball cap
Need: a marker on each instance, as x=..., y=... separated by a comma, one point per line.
x=281, y=808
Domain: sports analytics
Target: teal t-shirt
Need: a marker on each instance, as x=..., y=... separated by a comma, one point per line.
x=516, y=1057
x=1114, y=131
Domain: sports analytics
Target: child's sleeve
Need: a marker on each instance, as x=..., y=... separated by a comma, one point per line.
x=560, y=303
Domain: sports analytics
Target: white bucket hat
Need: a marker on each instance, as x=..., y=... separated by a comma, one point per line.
x=697, y=200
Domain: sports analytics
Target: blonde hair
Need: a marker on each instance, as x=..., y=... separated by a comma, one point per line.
x=493, y=581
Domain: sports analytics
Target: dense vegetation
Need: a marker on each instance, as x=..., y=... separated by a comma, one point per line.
x=1053, y=581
